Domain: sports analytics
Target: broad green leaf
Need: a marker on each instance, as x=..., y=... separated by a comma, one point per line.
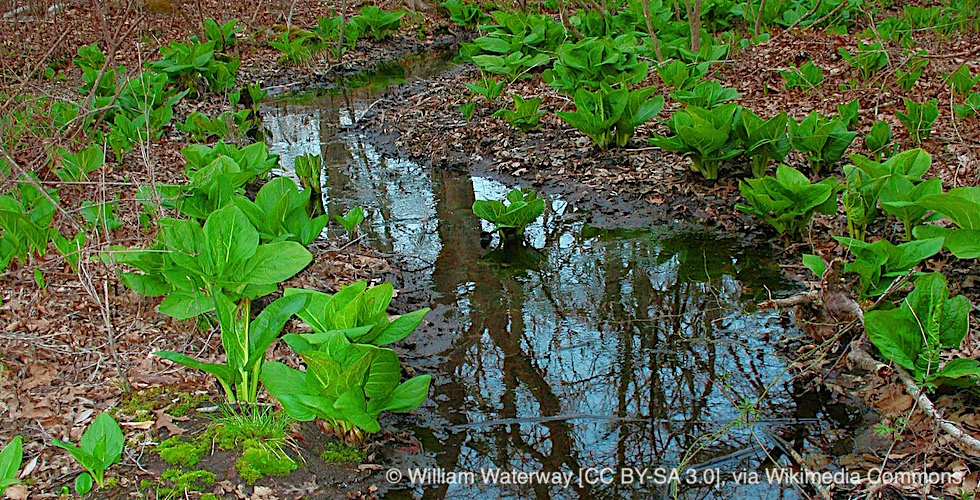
x=401, y=327
x=958, y=368
x=377, y=298
x=268, y=324
x=83, y=483
x=231, y=241
x=180, y=304
x=383, y=374
x=104, y=440
x=275, y=262
x=896, y=334
x=964, y=243
x=145, y=284
x=407, y=396
x=903, y=257
x=353, y=407
x=286, y=384
x=323, y=374
x=954, y=322
x=222, y=372
x=960, y=205
x=815, y=264
x=10, y=460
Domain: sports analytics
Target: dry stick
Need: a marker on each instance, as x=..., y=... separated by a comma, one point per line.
x=694, y=21
x=831, y=13
x=758, y=17
x=104, y=304
x=564, y=20
x=190, y=24
x=794, y=300
x=340, y=36
x=255, y=14
x=26, y=77
x=799, y=460
x=289, y=18
x=653, y=34
x=864, y=360
x=100, y=17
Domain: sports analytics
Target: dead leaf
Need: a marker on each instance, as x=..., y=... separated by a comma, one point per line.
x=137, y=425
x=16, y=492
x=29, y=468
x=261, y=492
x=166, y=421
x=39, y=376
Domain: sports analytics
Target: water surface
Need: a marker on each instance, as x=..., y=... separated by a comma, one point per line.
x=586, y=349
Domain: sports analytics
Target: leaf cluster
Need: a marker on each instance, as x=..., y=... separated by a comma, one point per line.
x=914, y=333
x=511, y=219
x=100, y=447
x=788, y=201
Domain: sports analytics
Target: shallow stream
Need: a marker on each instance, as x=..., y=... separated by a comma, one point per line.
x=587, y=352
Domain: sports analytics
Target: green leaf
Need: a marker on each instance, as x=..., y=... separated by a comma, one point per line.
x=181, y=304
x=383, y=374
x=231, y=241
x=815, y=264
x=896, y=335
x=83, y=483
x=269, y=323
x=954, y=322
x=223, y=372
x=274, y=263
x=10, y=460
x=959, y=368
x=960, y=205
x=104, y=440
x=353, y=407
x=286, y=385
x=408, y=395
x=401, y=327
x=964, y=243
x=100, y=447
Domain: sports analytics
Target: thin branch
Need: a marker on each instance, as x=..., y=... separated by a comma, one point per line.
x=864, y=361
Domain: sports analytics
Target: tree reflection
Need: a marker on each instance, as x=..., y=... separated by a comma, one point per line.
x=635, y=343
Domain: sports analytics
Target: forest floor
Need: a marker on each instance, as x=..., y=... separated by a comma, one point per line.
x=68, y=349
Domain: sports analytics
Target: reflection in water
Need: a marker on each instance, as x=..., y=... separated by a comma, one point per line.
x=603, y=349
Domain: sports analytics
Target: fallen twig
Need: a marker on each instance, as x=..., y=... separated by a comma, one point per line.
x=799, y=299
x=863, y=360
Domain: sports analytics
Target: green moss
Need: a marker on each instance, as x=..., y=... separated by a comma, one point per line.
x=209, y=496
x=184, y=403
x=142, y=404
x=338, y=452
x=262, y=459
x=224, y=438
x=176, y=483
x=180, y=452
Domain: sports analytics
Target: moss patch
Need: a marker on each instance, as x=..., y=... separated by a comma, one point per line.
x=140, y=405
x=338, y=452
x=176, y=483
x=185, y=453
x=261, y=458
